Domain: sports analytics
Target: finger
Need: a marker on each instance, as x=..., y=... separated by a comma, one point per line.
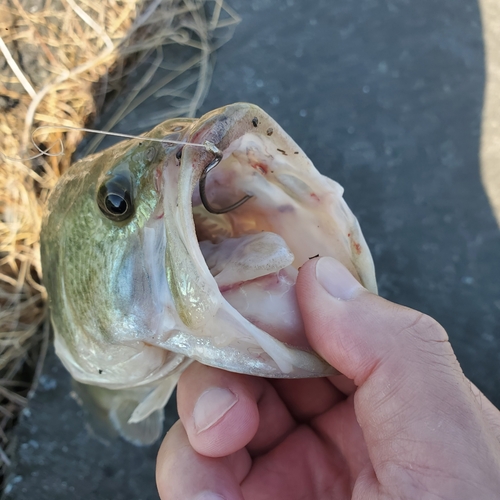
x=184, y=474
x=340, y=430
x=307, y=398
x=343, y=384
x=409, y=382
x=224, y=412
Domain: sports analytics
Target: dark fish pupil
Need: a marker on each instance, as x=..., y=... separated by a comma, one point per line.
x=116, y=204
x=114, y=198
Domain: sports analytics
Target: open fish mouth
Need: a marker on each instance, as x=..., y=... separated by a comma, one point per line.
x=231, y=271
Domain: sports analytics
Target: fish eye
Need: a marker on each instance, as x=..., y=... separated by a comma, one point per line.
x=114, y=198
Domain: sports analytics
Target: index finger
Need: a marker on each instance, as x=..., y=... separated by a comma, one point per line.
x=223, y=412
x=182, y=473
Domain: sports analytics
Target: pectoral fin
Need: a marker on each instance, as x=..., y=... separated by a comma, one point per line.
x=136, y=414
x=155, y=400
x=142, y=433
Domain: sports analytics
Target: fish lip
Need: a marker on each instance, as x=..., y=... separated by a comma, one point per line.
x=224, y=126
x=212, y=129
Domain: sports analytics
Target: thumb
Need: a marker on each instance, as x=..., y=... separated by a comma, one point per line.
x=356, y=330
x=413, y=402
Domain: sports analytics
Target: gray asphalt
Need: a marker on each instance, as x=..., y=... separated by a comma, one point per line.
x=386, y=97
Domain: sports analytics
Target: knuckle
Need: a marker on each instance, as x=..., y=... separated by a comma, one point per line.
x=425, y=328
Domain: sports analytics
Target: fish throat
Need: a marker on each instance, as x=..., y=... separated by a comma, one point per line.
x=247, y=258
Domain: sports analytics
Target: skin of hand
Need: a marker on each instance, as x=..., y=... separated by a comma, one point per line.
x=402, y=422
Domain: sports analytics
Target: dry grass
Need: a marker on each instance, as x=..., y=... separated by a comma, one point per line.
x=62, y=59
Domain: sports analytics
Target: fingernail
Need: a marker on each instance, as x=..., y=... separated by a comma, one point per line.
x=211, y=406
x=336, y=279
x=208, y=495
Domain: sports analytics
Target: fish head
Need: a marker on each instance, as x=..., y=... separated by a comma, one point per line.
x=142, y=277
x=99, y=280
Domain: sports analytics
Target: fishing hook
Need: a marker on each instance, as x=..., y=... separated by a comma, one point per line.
x=203, y=195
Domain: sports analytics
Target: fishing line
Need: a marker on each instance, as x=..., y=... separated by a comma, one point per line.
x=207, y=145
x=43, y=152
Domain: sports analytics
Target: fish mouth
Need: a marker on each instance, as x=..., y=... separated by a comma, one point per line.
x=232, y=275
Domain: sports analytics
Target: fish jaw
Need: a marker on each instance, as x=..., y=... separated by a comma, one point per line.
x=213, y=331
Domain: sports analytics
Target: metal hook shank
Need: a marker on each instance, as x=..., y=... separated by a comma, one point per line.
x=203, y=195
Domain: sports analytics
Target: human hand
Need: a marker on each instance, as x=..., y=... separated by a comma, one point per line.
x=402, y=422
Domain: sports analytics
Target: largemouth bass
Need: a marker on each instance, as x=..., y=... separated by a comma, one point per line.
x=145, y=270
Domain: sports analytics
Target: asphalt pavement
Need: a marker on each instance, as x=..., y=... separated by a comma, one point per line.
x=386, y=97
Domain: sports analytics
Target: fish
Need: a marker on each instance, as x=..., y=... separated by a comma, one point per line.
x=183, y=245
